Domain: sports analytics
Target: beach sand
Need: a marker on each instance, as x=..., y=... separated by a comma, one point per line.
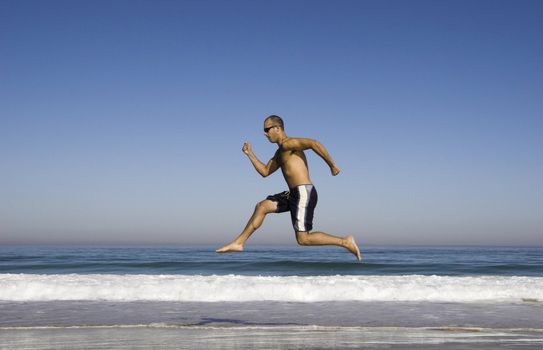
x=312, y=337
x=270, y=325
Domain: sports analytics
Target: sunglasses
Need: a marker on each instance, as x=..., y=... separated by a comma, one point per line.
x=269, y=128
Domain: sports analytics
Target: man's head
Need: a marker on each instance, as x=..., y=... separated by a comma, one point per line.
x=274, y=128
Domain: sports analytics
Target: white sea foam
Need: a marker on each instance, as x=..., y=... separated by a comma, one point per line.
x=30, y=287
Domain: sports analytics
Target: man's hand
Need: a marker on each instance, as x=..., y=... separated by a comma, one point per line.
x=247, y=148
x=335, y=170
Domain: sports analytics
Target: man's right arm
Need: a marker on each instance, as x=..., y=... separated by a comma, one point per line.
x=261, y=168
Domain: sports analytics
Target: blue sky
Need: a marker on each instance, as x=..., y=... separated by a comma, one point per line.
x=123, y=121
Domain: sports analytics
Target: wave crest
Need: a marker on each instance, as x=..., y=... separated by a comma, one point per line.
x=233, y=288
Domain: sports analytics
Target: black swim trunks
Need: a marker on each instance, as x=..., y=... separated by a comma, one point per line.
x=301, y=201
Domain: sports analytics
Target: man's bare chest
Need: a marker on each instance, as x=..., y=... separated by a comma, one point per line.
x=285, y=158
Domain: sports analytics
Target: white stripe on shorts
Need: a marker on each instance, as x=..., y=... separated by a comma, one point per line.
x=302, y=204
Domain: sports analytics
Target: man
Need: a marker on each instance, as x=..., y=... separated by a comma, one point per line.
x=300, y=200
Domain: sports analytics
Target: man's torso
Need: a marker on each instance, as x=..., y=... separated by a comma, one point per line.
x=294, y=167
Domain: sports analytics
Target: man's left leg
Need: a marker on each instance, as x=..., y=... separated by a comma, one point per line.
x=322, y=238
x=302, y=206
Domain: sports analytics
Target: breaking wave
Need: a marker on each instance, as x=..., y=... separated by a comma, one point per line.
x=234, y=288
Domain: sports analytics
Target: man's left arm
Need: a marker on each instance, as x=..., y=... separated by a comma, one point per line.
x=301, y=144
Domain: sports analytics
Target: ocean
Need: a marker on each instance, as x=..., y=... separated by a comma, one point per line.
x=270, y=297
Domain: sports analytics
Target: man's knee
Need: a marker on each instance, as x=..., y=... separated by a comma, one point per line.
x=266, y=206
x=302, y=238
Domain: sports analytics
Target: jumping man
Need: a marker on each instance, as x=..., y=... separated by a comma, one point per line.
x=300, y=200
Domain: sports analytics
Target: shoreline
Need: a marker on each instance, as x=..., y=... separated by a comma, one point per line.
x=270, y=337
x=525, y=315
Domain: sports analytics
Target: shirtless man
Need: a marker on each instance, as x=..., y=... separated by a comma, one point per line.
x=300, y=200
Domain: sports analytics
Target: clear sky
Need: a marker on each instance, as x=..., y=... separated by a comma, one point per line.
x=123, y=121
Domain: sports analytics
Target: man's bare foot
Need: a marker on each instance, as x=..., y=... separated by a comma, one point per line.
x=231, y=247
x=352, y=247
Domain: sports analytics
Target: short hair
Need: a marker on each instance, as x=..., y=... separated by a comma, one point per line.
x=277, y=119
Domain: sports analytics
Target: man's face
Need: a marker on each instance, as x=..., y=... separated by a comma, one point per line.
x=271, y=130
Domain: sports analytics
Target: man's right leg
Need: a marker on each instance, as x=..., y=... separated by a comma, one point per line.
x=261, y=210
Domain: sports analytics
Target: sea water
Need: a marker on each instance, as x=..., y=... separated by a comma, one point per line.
x=271, y=297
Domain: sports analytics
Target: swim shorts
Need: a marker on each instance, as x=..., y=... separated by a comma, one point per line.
x=301, y=202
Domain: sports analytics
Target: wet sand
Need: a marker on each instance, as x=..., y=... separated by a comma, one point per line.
x=270, y=325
